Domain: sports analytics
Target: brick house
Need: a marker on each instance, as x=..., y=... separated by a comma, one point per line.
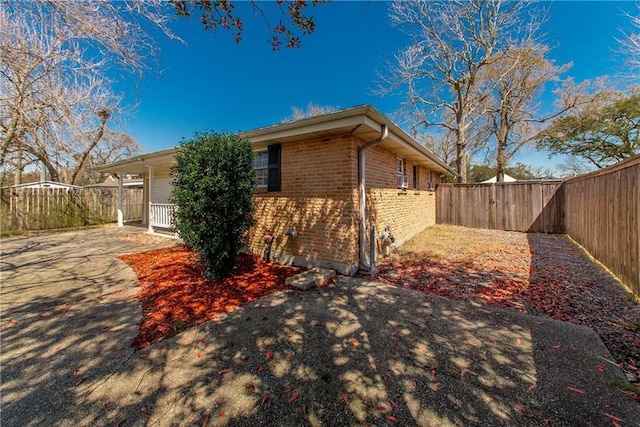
x=321, y=182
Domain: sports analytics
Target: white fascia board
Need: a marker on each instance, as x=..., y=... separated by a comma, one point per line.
x=277, y=132
x=158, y=158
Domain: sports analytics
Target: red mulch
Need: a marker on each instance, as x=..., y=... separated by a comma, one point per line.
x=537, y=274
x=176, y=295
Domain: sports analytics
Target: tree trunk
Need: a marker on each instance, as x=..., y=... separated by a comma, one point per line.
x=501, y=157
x=104, y=116
x=53, y=172
x=461, y=153
x=18, y=176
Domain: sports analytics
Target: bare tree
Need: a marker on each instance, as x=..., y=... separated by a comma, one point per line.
x=311, y=110
x=452, y=41
x=55, y=98
x=516, y=83
x=629, y=44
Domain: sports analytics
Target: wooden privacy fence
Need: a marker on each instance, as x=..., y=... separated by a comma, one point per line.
x=598, y=210
x=601, y=213
x=515, y=206
x=50, y=208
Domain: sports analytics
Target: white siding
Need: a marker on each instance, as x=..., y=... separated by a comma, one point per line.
x=161, y=190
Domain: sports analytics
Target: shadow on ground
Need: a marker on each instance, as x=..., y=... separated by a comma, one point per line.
x=362, y=352
x=69, y=315
x=352, y=353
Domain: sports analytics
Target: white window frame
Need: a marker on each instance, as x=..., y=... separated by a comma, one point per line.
x=400, y=170
x=262, y=168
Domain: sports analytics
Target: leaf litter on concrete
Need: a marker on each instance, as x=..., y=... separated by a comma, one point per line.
x=540, y=274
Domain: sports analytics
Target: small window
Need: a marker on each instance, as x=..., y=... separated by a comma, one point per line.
x=400, y=167
x=415, y=177
x=261, y=167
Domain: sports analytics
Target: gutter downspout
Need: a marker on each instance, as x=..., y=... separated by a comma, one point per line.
x=384, y=134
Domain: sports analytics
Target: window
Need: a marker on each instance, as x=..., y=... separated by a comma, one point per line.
x=267, y=168
x=400, y=167
x=261, y=167
x=415, y=177
x=400, y=173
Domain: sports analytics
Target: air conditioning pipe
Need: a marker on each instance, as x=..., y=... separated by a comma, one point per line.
x=364, y=264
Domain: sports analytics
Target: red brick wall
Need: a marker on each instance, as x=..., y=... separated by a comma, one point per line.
x=407, y=212
x=319, y=199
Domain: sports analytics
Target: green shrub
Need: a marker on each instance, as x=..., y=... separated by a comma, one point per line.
x=213, y=190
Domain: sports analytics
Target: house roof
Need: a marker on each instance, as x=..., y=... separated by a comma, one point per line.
x=507, y=178
x=111, y=182
x=364, y=122
x=45, y=184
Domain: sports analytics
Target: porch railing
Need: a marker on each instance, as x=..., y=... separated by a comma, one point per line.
x=162, y=215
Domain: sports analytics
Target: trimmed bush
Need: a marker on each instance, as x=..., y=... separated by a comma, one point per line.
x=213, y=190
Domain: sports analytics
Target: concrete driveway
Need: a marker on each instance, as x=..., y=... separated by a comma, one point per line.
x=68, y=317
x=354, y=353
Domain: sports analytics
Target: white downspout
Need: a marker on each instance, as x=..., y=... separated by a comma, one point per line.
x=384, y=134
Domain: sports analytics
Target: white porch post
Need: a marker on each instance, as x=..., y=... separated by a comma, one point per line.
x=120, y=194
x=145, y=198
x=150, y=199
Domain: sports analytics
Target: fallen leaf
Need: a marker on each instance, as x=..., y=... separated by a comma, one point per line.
x=374, y=367
x=557, y=345
x=354, y=342
x=221, y=414
x=433, y=372
x=533, y=387
x=288, y=356
x=259, y=368
x=198, y=356
x=345, y=397
x=269, y=355
x=382, y=407
x=613, y=417
x=144, y=410
x=601, y=367
x=224, y=371
x=205, y=423
x=76, y=372
x=392, y=418
x=264, y=398
x=293, y=397
x=304, y=409
x=576, y=390
x=394, y=404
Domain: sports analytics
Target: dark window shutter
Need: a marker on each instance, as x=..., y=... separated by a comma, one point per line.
x=415, y=177
x=273, y=182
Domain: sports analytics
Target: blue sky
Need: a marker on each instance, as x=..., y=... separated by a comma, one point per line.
x=211, y=83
